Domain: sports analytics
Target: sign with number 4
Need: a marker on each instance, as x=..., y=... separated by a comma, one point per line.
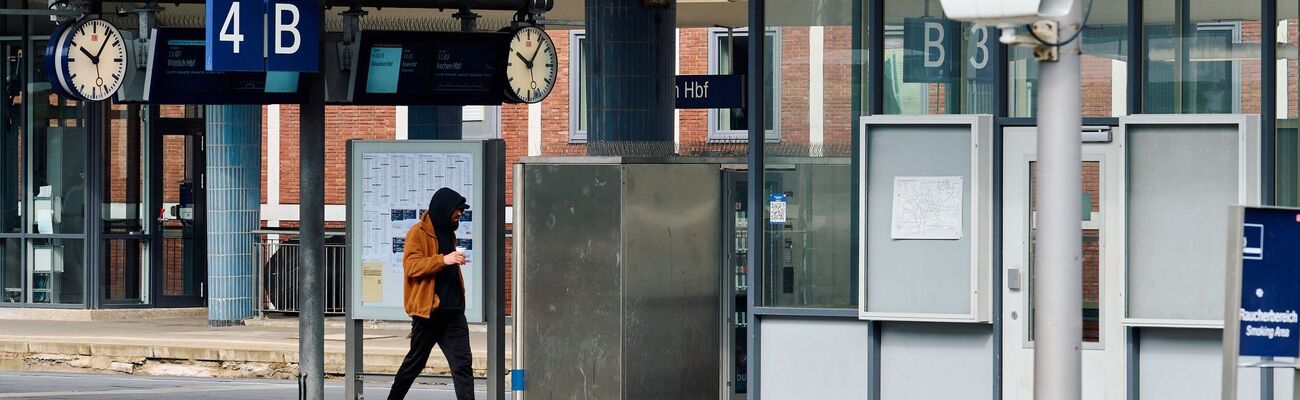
x=262, y=35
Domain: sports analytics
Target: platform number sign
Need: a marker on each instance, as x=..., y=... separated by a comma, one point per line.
x=262, y=35
x=932, y=52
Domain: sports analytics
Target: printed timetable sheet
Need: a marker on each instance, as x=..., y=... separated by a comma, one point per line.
x=396, y=188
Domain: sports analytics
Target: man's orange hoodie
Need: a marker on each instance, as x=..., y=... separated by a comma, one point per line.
x=421, y=263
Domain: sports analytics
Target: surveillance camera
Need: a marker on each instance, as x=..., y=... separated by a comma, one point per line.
x=1005, y=13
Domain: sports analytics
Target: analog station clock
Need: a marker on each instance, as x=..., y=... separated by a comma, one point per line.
x=531, y=66
x=87, y=60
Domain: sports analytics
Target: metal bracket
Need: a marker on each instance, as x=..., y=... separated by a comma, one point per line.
x=68, y=10
x=148, y=20
x=351, y=35
x=1044, y=34
x=468, y=19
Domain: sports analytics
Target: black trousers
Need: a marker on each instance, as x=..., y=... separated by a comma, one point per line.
x=451, y=333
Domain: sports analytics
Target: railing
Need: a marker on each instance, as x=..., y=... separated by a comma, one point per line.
x=276, y=257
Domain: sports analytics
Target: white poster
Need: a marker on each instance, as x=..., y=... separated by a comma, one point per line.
x=927, y=208
x=396, y=192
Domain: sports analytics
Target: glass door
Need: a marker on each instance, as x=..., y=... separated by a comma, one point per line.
x=12, y=282
x=1102, y=336
x=735, y=285
x=180, y=203
x=124, y=276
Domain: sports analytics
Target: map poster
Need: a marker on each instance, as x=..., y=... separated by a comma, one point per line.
x=927, y=208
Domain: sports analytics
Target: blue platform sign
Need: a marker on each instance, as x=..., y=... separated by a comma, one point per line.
x=930, y=50
x=234, y=35
x=262, y=35
x=710, y=91
x=1270, y=283
x=293, y=42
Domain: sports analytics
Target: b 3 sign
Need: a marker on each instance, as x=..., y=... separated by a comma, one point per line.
x=262, y=35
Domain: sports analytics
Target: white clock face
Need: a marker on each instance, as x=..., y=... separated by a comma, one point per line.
x=96, y=60
x=532, y=65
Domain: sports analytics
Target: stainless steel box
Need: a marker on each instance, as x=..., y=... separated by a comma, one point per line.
x=617, y=278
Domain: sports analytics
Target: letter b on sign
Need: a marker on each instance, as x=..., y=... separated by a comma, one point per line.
x=294, y=27
x=930, y=50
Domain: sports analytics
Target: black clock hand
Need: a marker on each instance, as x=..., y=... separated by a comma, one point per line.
x=527, y=63
x=535, y=51
x=102, y=45
x=93, y=59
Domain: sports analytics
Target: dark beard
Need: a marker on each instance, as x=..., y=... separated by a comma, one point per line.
x=455, y=225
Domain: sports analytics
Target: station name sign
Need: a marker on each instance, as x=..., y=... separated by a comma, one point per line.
x=710, y=91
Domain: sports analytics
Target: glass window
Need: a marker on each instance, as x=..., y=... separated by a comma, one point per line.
x=729, y=54
x=577, y=87
x=1201, y=57
x=121, y=156
x=934, y=65
x=809, y=257
x=56, y=275
x=58, y=161
x=11, y=142
x=1092, y=261
x=123, y=278
x=1288, y=101
x=11, y=271
x=1104, y=66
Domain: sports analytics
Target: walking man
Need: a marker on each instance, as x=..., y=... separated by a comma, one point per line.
x=434, y=295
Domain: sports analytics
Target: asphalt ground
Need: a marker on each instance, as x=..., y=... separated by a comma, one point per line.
x=50, y=386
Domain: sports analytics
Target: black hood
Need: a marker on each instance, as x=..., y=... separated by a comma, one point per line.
x=443, y=204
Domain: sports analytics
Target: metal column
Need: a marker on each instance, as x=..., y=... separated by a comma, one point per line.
x=1059, y=298
x=757, y=137
x=311, y=182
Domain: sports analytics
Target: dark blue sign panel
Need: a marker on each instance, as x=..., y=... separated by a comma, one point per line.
x=293, y=30
x=1270, y=283
x=710, y=91
x=176, y=75
x=930, y=51
x=234, y=35
x=982, y=48
x=433, y=68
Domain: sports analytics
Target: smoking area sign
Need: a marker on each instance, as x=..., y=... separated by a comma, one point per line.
x=1268, y=292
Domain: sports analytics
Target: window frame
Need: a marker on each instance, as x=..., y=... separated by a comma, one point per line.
x=716, y=135
x=576, y=38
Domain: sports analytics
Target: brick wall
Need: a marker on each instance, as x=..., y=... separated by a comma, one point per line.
x=837, y=89
x=1250, y=70
x=1096, y=85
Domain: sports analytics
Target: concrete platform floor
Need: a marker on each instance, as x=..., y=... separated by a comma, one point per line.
x=189, y=347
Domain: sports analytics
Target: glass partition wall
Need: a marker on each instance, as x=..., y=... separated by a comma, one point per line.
x=71, y=189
